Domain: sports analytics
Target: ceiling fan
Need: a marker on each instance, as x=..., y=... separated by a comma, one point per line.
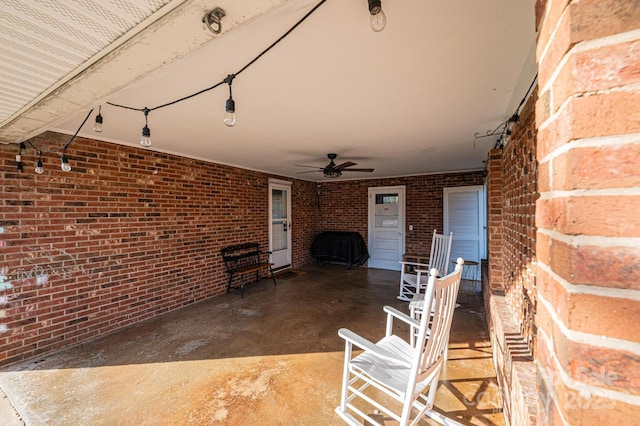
x=332, y=170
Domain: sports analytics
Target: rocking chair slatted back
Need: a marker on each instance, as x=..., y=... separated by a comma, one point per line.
x=441, y=295
x=413, y=275
x=440, y=252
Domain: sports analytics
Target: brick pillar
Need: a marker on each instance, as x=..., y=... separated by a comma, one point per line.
x=494, y=220
x=588, y=213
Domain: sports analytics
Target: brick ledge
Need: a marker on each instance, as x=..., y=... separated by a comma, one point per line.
x=515, y=368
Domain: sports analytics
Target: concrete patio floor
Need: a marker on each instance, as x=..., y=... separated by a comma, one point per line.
x=271, y=358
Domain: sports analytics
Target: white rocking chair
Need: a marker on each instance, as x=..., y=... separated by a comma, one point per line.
x=413, y=275
x=404, y=372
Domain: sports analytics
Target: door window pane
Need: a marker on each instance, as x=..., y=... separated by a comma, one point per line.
x=387, y=199
x=387, y=210
x=279, y=236
x=278, y=204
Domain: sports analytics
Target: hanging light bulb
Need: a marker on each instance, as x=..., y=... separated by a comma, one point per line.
x=377, y=17
x=64, y=164
x=230, y=107
x=146, y=137
x=146, y=132
x=19, y=157
x=230, y=113
x=97, y=127
x=39, y=166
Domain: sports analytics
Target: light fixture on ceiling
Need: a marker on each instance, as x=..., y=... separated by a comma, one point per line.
x=39, y=166
x=331, y=173
x=97, y=127
x=146, y=132
x=213, y=20
x=230, y=106
x=377, y=16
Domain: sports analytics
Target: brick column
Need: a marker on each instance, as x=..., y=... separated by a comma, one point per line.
x=588, y=214
x=494, y=221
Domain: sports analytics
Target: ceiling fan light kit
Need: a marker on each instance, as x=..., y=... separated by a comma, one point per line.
x=332, y=170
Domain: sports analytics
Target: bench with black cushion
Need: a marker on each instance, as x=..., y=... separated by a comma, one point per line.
x=243, y=259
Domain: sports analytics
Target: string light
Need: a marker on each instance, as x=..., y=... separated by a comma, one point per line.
x=146, y=132
x=97, y=127
x=19, y=157
x=377, y=17
x=378, y=22
x=505, y=129
x=39, y=166
x=64, y=163
x=230, y=106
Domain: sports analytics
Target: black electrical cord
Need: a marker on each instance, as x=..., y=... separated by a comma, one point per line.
x=226, y=80
x=63, y=147
x=76, y=133
x=235, y=74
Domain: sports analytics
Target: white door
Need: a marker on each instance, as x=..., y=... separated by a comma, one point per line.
x=464, y=215
x=386, y=227
x=280, y=223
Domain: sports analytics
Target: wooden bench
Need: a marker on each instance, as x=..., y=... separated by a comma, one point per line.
x=243, y=259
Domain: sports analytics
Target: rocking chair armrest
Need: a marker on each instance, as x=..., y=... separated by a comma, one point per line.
x=356, y=339
x=401, y=316
x=363, y=343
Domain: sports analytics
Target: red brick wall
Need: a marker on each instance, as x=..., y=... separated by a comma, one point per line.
x=344, y=205
x=588, y=240
x=495, y=231
x=510, y=298
x=304, y=208
x=520, y=192
x=128, y=234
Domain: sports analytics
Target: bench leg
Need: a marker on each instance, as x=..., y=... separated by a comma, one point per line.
x=241, y=284
x=230, y=280
x=273, y=277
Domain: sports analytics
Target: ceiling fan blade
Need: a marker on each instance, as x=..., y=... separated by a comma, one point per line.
x=309, y=171
x=344, y=165
x=313, y=167
x=358, y=170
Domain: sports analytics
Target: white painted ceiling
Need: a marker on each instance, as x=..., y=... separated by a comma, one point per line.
x=407, y=100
